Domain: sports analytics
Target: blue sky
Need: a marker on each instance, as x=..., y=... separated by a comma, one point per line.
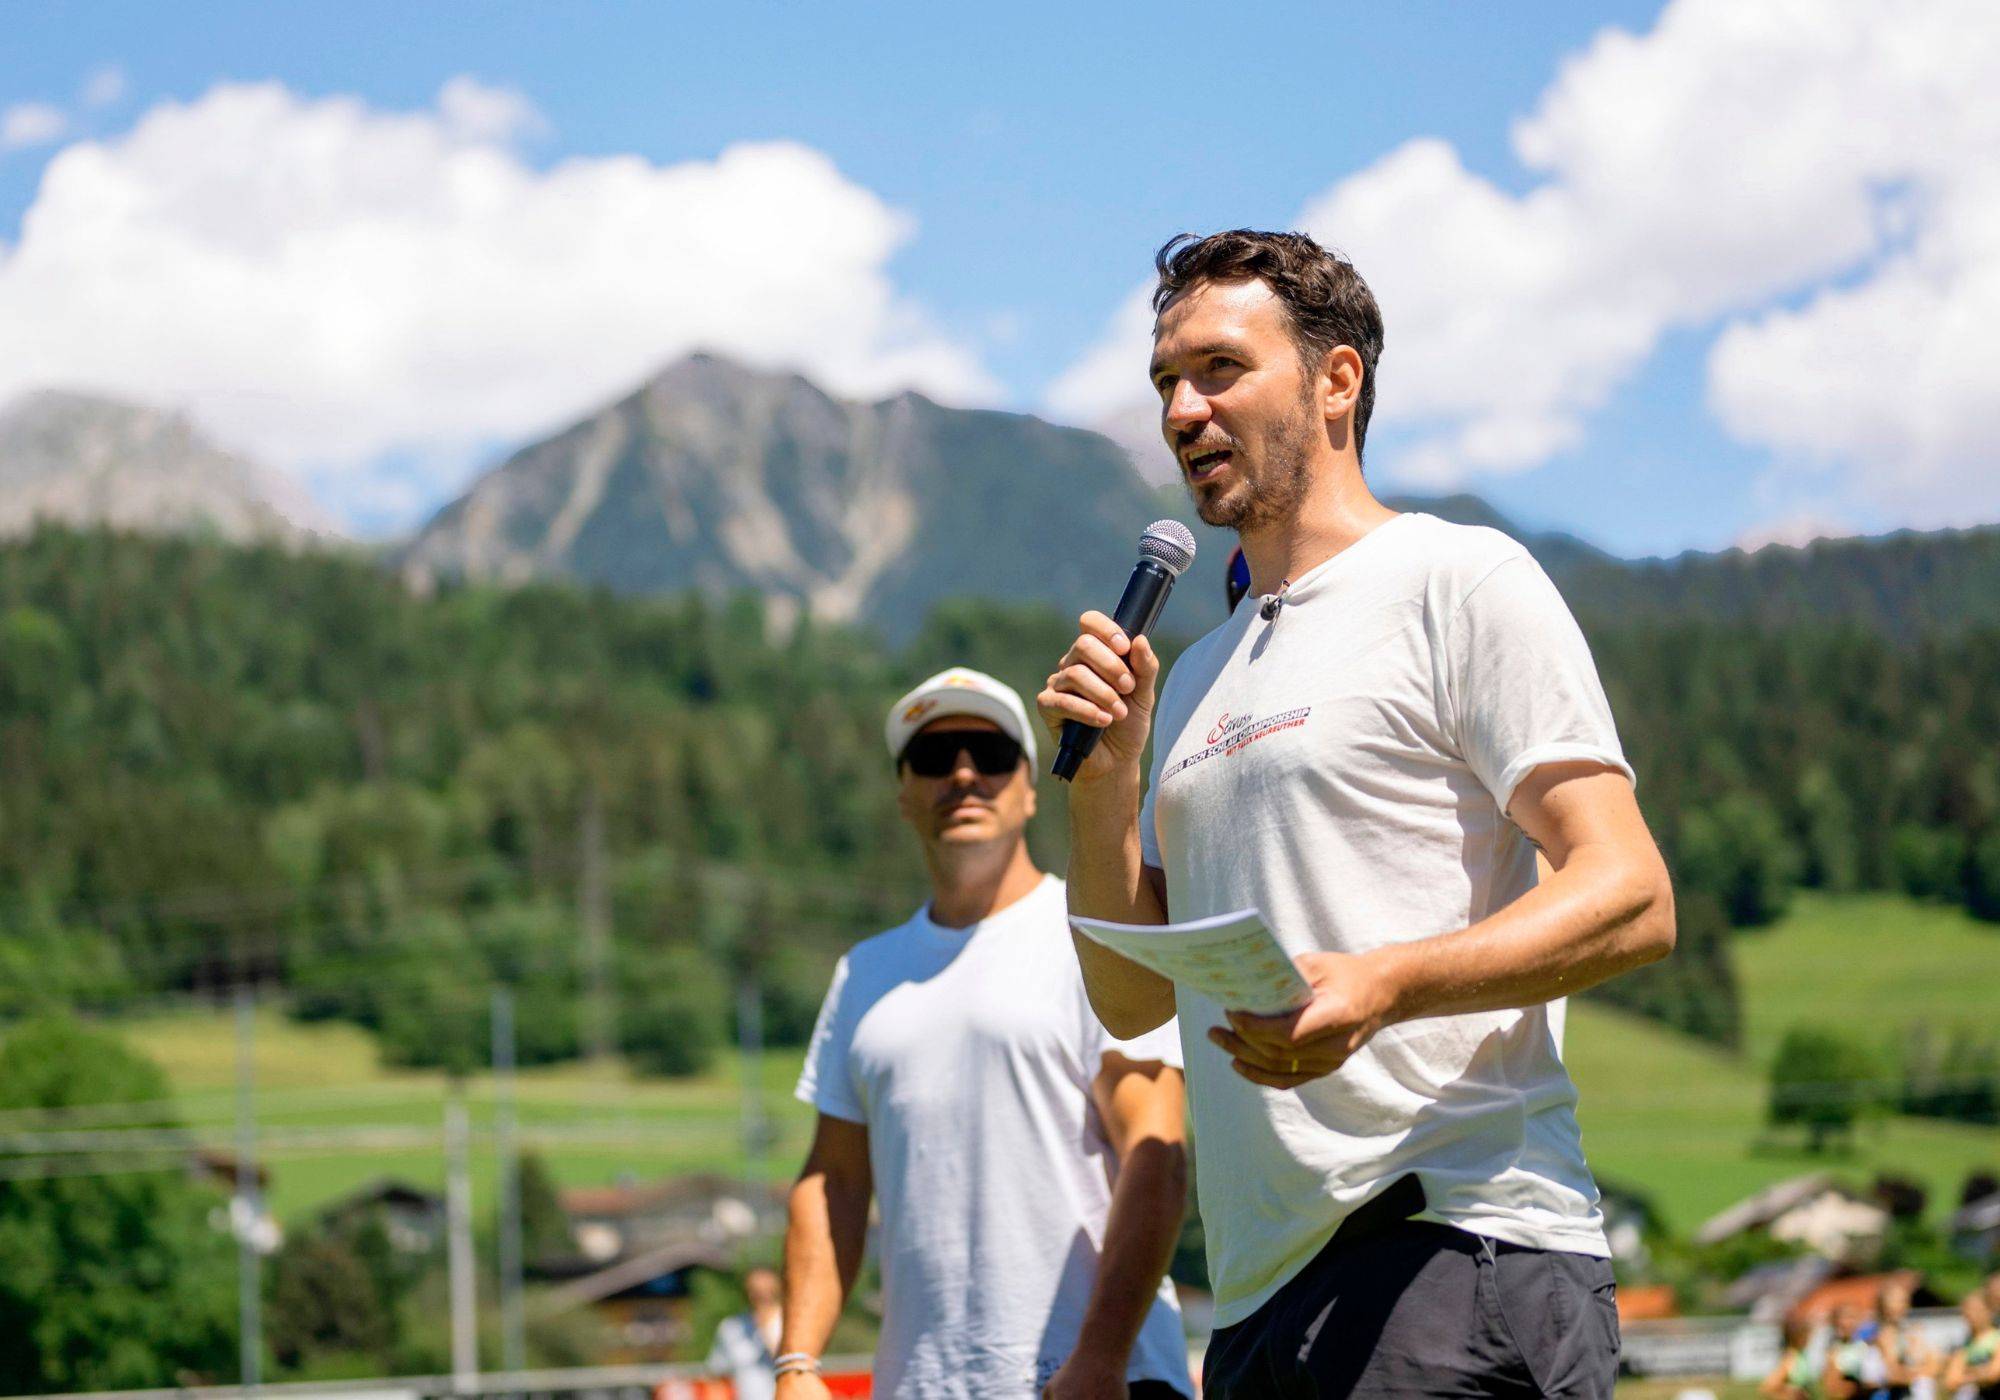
x=1029, y=158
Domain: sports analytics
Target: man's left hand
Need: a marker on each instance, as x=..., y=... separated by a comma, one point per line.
x=1352, y=998
x=1086, y=1376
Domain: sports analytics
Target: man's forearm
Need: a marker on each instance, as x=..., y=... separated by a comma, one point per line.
x=1106, y=873
x=823, y=1244
x=1602, y=914
x=1147, y=1205
x=1107, y=880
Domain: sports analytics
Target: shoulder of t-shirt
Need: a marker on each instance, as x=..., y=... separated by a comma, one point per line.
x=884, y=949
x=1456, y=559
x=1052, y=899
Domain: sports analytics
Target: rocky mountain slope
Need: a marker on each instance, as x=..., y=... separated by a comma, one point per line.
x=722, y=478
x=81, y=459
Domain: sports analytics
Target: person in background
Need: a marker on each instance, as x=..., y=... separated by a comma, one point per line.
x=1029, y=1166
x=1973, y=1371
x=1236, y=579
x=1854, y=1368
x=1910, y=1366
x=1792, y=1378
x=746, y=1345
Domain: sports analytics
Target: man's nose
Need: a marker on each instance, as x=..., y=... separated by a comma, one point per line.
x=1185, y=408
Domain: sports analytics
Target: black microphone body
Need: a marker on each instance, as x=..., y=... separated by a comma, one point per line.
x=1138, y=609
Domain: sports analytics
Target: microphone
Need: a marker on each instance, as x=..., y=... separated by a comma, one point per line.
x=1165, y=551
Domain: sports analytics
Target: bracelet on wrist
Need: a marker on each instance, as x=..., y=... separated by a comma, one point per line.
x=796, y=1363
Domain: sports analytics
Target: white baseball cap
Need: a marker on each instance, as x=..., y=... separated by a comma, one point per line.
x=960, y=690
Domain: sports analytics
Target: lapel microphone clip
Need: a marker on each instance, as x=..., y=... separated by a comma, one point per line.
x=1268, y=609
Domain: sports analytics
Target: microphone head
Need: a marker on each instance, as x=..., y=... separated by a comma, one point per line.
x=1169, y=544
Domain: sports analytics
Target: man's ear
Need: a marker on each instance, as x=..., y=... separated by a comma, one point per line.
x=1341, y=373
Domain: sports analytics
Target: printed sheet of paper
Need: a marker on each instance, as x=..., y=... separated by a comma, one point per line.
x=1233, y=958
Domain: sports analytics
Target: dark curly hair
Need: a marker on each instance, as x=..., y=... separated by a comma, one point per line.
x=1324, y=297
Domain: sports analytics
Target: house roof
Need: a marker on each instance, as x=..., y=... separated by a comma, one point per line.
x=218, y=1162
x=1982, y=1214
x=1764, y=1207
x=1858, y=1290
x=641, y=1198
x=1770, y=1288
x=384, y=1190
x=1647, y=1302
x=630, y=1273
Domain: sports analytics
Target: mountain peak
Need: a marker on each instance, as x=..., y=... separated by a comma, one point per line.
x=86, y=458
x=720, y=476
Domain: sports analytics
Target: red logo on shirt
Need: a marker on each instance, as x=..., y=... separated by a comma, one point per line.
x=1232, y=734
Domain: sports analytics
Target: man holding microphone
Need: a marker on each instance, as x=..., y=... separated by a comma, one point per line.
x=1392, y=1180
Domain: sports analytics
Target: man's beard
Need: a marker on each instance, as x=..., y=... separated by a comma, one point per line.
x=1275, y=494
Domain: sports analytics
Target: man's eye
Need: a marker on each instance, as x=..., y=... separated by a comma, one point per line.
x=1165, y=384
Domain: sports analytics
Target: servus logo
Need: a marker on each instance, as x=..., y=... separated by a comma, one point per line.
x=1231, y=734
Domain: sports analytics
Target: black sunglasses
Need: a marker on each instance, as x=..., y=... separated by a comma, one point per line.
x=936, y=755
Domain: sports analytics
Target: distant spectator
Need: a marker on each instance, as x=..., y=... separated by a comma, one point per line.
x=1236, y=579
x=1909, y=1365
x=1854, y=1369
x=1792, y=1378
x=746, y=1345
x=1973, y=1372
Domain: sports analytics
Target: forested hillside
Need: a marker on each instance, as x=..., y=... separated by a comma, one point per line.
x=226, y=762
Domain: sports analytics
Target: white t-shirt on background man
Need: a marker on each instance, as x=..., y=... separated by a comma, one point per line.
x=970, y=1054
x=747, y=1354
x=1344, y=766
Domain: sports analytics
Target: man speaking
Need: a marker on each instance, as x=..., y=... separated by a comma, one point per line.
x=1370, y=752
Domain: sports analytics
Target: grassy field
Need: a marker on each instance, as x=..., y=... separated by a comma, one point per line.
x=334, y=1117
x=1674, y=1118
x=1685, y=1123
x=1871, y=963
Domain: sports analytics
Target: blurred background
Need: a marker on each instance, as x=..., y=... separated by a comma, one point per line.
x=472, y=480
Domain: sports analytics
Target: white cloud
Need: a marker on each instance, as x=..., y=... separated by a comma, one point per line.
x=28, y=124
x=1106, y=388
x=1716, y=172
x=329, y=286
x=104, y=86
x=475, y=111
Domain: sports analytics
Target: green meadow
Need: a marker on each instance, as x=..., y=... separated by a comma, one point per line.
x=1685, y=1122
x=1671, y=1116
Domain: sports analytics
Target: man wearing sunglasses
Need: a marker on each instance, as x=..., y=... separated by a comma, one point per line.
x=1029, y=1167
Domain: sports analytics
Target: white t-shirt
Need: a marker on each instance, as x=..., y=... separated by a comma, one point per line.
x=747, y=1354
x=1345, y=767
x=969, y=1054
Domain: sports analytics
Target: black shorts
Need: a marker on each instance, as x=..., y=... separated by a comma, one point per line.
x=1409, y=1308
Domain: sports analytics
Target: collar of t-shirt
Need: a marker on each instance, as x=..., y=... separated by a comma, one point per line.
x=1324, y=574
x=1022, y=909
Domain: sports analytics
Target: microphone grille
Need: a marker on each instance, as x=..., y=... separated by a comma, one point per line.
x=1169, y=544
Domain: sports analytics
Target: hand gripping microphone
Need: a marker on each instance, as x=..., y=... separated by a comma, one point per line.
x=1165, y=551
